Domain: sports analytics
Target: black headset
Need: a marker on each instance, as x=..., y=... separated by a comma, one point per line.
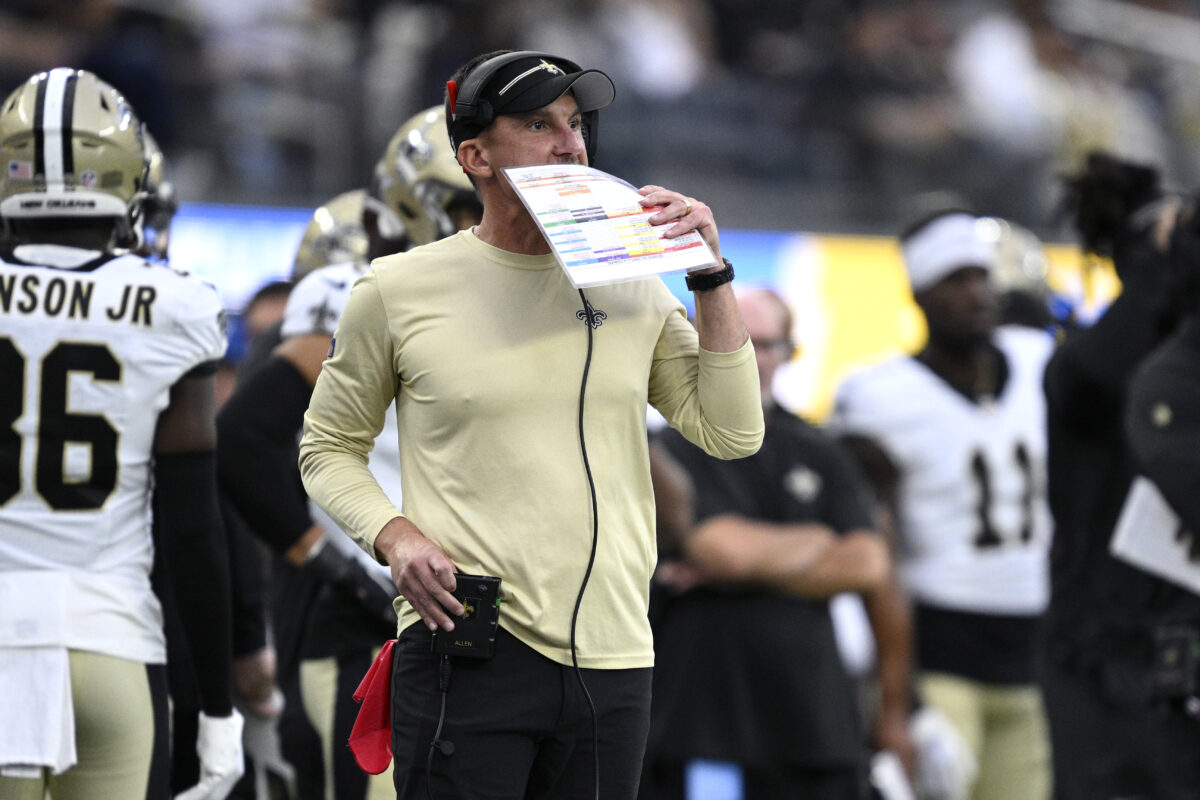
x=470, y=113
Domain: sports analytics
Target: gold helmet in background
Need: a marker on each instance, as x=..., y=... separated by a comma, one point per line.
x=1020, y=275
x=1021, y=263
x=159, y=203
x=71, y=146
x=422, y=181
x=334, y=235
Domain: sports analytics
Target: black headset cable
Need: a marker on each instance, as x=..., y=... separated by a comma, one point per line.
x=590, y=316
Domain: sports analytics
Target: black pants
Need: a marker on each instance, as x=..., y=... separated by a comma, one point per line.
x=667, y=780
x=520, y=725
x=1107, y=743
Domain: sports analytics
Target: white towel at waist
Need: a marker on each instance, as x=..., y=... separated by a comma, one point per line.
x=39, y=719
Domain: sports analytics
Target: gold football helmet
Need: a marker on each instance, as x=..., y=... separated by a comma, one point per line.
x=1020, y=275
x=158, y=202
x=71, y=146
x=334, y=235
x=1020, y=260
x=422, y=181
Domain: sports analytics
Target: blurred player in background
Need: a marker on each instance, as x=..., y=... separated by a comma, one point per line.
x=107, y=450
x=747, y=666
x=1019, y=276
x=278, y=735
x=253, y=657
x=954, y=438
x=418, y=194
x=334, y=235
x=159, y=204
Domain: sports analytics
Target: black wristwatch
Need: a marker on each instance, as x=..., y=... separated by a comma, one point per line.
x=709, y=280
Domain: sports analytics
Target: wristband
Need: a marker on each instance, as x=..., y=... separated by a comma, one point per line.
x=709, y=280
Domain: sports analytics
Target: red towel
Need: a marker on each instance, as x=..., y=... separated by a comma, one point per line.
x=371, y=736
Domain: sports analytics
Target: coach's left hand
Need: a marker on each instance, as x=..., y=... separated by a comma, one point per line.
x=690, y=215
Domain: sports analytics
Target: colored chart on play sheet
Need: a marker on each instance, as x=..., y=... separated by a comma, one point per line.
x=597, y=228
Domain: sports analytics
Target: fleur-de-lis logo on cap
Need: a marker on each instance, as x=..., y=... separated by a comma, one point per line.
x=543, y=64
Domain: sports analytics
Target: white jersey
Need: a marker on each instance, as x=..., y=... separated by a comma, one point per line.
x=314, y=307
x=973, y=520
x=90, y=346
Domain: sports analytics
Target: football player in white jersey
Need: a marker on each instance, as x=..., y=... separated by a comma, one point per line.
x=418, y=194
x=107, y=441
x=955, y=440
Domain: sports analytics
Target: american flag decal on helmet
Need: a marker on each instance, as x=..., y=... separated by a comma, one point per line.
x=332, y=342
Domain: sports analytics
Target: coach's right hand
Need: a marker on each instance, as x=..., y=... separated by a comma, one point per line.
x=422, y=572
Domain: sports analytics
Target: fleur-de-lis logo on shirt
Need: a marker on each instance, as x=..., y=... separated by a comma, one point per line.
x=592, y=316
x=803, y=483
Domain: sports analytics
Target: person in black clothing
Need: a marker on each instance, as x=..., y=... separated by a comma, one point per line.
x=1113, y=735
x=747, y=667
x=1162, y=421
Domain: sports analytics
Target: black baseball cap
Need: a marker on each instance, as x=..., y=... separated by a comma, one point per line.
x=532, y=82
x=521, y=81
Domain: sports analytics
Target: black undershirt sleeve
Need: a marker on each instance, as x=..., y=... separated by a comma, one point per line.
x=196, y=557
x=248, y=576
x=260, y=476
x=257, y=455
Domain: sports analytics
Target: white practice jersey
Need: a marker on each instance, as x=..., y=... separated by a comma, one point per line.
x=90, y=346
x=973, y=519
x=314, y=307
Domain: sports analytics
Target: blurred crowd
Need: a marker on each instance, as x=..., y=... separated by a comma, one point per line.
x=831, y=116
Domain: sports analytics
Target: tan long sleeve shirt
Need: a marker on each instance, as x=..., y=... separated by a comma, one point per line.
x=483, y=354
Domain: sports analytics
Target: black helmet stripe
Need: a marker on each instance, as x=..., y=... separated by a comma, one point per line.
x=52, y=126
x=68, y=133
x=39, y=136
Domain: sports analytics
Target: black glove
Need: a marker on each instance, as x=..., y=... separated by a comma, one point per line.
x=348, y=576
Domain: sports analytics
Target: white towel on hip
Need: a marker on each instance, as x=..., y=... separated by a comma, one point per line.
x=39, y=716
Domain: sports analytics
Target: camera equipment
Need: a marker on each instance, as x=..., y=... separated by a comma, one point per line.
x=474, y=634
